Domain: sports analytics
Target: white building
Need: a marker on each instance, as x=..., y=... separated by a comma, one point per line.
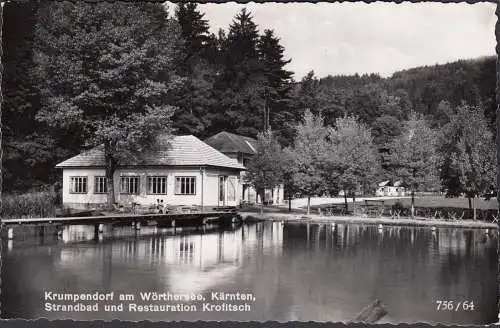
x=386, y=188
x=241, y=149
x=181, y=171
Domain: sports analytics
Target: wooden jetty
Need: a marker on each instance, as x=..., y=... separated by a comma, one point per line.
x=164, y=220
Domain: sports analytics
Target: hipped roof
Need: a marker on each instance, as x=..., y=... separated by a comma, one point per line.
x=178, y=151
x=388, y=183
x=227, y=142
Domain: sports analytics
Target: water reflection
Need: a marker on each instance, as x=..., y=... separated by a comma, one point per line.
x=297, y=271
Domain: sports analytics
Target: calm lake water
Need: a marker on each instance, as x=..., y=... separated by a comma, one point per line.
x=299, y=272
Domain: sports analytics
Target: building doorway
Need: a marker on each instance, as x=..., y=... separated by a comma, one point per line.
x=222, y=190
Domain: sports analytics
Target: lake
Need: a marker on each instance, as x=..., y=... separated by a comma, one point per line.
x=295, y=271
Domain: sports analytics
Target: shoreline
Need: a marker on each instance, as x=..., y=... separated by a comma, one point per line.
x=314, y=218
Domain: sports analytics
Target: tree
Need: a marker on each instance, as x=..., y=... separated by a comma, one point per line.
x=307, y=156
x=26, y=160
x=242, y=56
x=277, y=83
x=447, y=146
x=198, y=67
x=475, y=155
x=265, y=169
x=384, y=130
x=307, y=93
x=108, y=69
x=240, y=84
x=443, y=114
x=289, y=170
x=352, y=158
x=414, y=157
x=194, y=31
x=391, y=105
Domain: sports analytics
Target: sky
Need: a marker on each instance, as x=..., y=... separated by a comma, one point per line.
x=348, y=38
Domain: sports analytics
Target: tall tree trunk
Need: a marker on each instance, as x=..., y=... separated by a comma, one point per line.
x=412, y=203
x=308, y=204
x=110, y=171
x=345, y=200
x=289, y=203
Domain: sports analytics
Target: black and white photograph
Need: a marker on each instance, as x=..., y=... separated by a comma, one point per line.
x=329, y=162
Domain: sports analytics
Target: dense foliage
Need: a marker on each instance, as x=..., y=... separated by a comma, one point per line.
x=107, y=71
x=79, y=74
x=265, y=169
x=414, y=157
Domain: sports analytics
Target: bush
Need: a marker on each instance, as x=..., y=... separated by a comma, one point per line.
x=398, y=206
x=34, y=204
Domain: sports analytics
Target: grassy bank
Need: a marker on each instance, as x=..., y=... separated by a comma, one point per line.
x=439, y=201
x=417, y=222
x=34, y=204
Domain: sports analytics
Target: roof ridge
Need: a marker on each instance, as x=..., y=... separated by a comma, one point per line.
x=187, y=150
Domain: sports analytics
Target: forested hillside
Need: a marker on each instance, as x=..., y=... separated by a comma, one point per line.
x=222, y=81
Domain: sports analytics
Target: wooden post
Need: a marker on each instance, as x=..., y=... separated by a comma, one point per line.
x=308, y=229
x=96, y=231
x=41, y=231
x=58, y=231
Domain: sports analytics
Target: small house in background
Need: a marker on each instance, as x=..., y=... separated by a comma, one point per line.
x=388, y=188
x=241, y=149
x=182, y=171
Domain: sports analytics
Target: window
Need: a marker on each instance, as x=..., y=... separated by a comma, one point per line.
x=222, y=185
x=129, y=185
x=185, y=185
x=101, y=186
x=231, y=189
x=78, y=185
x=186, y=251
x=157, y=185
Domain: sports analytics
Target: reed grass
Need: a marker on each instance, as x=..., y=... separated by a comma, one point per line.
x=29, y=205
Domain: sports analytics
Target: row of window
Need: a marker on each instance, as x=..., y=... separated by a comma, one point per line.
x=157, y=185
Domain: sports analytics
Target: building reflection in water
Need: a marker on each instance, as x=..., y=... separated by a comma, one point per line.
x=185, y=262
x=286, y=265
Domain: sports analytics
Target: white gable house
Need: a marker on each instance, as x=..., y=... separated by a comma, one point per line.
x=386, y=188
x=182, y=171
x=241, y=149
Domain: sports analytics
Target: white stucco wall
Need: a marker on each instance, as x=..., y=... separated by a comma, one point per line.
x=277, y=195
x=233, y=156
x=207, y=177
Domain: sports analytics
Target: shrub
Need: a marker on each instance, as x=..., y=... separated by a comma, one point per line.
x=398, y=206
x=34, y=204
